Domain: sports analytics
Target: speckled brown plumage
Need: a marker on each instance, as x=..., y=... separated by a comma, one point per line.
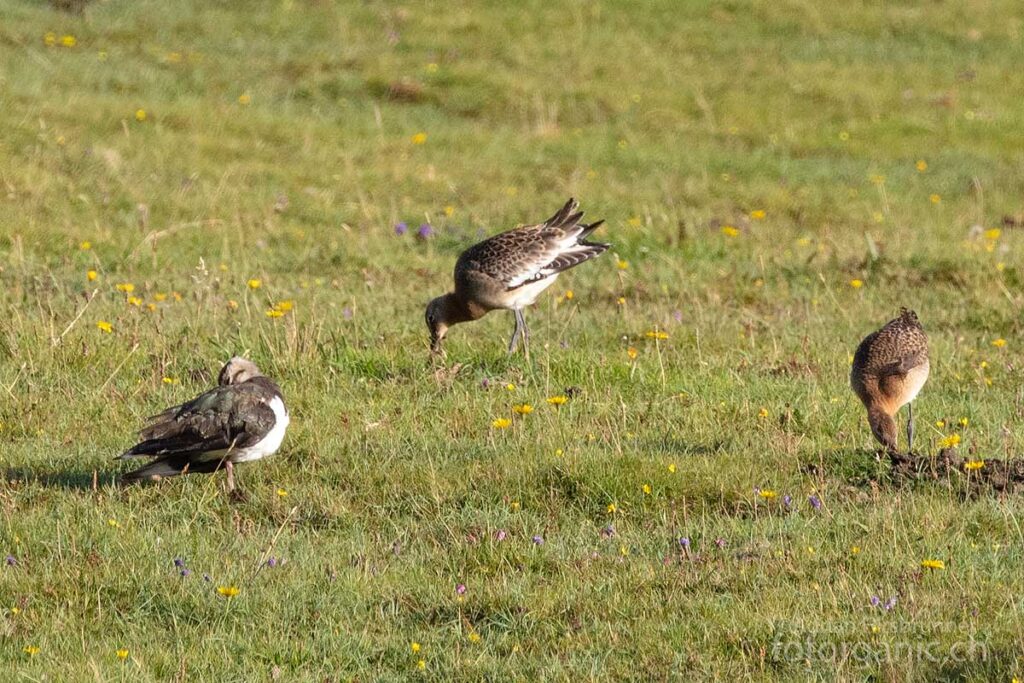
x=509, y=271
x=889, y=369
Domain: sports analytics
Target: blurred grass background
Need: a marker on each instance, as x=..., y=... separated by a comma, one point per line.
x=778, y=179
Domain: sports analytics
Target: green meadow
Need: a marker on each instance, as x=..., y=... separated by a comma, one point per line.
x=185, y=181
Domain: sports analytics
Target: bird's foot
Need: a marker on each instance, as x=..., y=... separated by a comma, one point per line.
x=238, y=496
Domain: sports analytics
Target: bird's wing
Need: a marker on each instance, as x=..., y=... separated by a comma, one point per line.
x=224, y=418
x=534, y=252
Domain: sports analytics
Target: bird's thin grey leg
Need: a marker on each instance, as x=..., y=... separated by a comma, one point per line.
x=910, y=427
x=231, y=475
x=525, y=333
x=515, y=334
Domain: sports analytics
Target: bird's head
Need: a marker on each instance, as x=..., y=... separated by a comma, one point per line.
x=437, y=321
x=883, y=427
x=238, y=370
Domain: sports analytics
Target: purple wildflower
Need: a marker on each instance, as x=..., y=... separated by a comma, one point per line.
x=500, y=536
x=538, y=540
x=401, y=229
x=815, y=502
x=346, y=313
x=720, y=542
x=875, y=601
x=684, y=543
x=185, y=572
x=11, y=561
x=485, y=383
x=678, y=315
x=787, y=499
x=425, y=231
x=179, y=563
x=460, y=589
x=608, y=531
x=271, y=562
x=890, y=603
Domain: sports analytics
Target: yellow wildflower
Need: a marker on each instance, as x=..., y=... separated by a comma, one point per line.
x=415, y=647
x=160, y=296
x=558, y=400
x=622, y=265
x=634, y=221
x=730, y=231
x=758, y=214
x=844, y=136
x=85, y=246
x=254, y=283
x=951, y=441
x=104, y=326
x=569, y=294
x=646, y=488
x=91, y=275
x=621, y=301
x=245, y=99
x=672, y=467
x=611, y=508
x=623, y=550
x=855, y=550
x=122, y=654
x=501, y=423
x=933, y=564
x=169, y=380
x=419, y=138
x=140, y=115
x=125, y=287
x=68, y=41
x=856, y=284
x=421, y=665
x=768, y=494
x=522, y=409
x=274, y=313
x=228, y=591
x=993, y=234
x=49, y=39
x=15, y=611
x=30, y=650
x=971, y=465
x=656, y=334
x=999, y=343
x=935, y=198
x=449, y=210
x=921, y=165
x=763, y=413
x=632, y=353
x=474, y=637
x=134, y=301
x=281, y=493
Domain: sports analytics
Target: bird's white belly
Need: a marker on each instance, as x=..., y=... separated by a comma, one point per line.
x=525, y=296
x=914, y=382
x=272, y=441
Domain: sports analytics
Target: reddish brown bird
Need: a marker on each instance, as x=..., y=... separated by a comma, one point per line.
x=889, y=369
x=510, y=270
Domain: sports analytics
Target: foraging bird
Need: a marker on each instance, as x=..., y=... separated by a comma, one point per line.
x=889, y=369
x=241, y=419
x=510, y=270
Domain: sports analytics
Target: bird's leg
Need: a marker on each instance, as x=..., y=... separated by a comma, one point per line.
x=525, y=333
x=515, y=335
x=910, y=427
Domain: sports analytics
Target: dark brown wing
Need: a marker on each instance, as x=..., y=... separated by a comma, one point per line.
x=533, y=252
x=223, y=418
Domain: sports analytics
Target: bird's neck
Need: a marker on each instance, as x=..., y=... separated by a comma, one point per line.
x=458, y=310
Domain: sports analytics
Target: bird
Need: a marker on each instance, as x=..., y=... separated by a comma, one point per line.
x=889, y=369
x=510, y=270
x=242, y=419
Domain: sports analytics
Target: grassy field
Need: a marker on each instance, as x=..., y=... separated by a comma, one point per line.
x=185, y=181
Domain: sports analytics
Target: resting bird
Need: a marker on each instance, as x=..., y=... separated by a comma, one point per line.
x=510, y=270
x=889, y=369
x=241, y=419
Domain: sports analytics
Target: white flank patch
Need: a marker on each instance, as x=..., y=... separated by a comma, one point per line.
x=527, y=294
x=272, y=441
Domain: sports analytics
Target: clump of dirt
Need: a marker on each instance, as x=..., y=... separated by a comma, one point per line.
x=996, y=474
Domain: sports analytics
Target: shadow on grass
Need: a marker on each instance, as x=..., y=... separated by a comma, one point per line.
x=75, y=480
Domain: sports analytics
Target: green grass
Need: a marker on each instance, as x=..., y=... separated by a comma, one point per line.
x=668, y=119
